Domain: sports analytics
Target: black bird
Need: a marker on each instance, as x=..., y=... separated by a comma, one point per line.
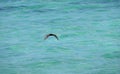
x=51, y=35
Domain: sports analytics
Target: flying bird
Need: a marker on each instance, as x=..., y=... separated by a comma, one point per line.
x=51, y=35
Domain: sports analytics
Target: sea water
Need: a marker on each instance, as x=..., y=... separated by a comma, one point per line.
x=88, y=31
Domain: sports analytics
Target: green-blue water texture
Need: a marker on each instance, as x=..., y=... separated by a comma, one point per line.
x=88, y=31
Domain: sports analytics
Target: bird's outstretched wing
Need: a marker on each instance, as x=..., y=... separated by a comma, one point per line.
x=51, y=35
x=56, y=36
x=46, y=37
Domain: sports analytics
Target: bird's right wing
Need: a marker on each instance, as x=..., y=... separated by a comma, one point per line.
x=56, y=37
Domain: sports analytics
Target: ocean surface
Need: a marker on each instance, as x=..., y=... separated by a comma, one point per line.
x=88, y=31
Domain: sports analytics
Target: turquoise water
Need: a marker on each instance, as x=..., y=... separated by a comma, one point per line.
x=88, y=31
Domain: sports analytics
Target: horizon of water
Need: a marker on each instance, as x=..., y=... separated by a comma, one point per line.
x=88, y=31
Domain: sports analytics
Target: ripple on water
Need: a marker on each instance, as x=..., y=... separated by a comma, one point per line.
x=113, y=55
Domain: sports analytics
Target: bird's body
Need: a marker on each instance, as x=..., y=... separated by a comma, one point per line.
x=51, y=35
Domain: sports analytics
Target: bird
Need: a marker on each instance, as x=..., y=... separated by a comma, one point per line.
x=51, y=35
